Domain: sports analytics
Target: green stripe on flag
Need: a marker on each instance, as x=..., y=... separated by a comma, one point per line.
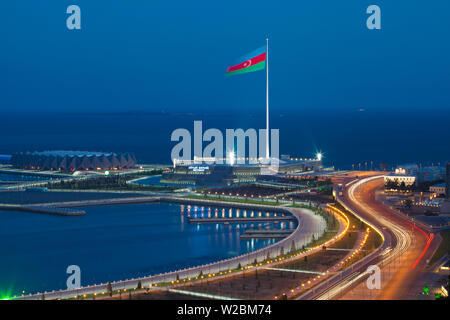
x=256, y=67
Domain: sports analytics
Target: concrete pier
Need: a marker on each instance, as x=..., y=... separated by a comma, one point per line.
x=45, y=210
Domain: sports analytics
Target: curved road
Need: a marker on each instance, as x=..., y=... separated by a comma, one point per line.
x=405, y=250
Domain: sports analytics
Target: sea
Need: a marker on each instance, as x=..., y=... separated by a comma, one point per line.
x=345, y=138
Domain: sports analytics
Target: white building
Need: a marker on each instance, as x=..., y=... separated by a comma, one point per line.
x=425, y=174
x=407, y=169
x=407, y=179
x=438, y=189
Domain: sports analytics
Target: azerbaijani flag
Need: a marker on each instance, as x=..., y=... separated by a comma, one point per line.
x=254, y=61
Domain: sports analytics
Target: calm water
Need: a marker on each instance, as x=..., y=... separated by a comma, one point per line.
x=112, y=243
x=344, y=136
x=19, y=177
x=9, y=179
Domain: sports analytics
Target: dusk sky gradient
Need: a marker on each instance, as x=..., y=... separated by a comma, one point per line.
x=172, y=56
x=137, y=70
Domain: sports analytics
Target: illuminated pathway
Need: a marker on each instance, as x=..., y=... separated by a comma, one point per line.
x=332, y=286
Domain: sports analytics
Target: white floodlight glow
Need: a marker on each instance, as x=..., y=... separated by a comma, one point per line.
x=231, y=158
x=319, y=156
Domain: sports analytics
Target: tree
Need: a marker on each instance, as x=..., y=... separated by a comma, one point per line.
x=139, y=285
x=293, y=246
x=402, y=186
x=109, y=288
x=408, y=203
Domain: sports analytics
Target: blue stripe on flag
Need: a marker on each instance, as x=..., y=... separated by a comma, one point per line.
x=250, y=55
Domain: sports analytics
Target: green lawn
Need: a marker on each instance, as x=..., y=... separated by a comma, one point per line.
x=444, y=247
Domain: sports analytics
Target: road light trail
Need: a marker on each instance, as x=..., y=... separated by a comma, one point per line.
x=339, y=287
x=402, y=236
x=201, y=295
x=404, y=248
x=295, y=270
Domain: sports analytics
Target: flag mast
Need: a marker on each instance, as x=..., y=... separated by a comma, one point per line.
x=267, y=98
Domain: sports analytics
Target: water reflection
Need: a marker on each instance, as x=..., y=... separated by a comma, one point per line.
x=229, y=213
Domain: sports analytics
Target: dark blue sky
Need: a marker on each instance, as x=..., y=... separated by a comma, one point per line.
x=172, y=56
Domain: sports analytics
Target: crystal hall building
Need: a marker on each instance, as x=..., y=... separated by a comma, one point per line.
x=72, y=160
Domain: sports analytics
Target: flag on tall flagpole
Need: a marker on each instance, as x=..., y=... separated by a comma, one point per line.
x=254, y=61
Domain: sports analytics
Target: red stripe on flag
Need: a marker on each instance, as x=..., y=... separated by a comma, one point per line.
x=248, y=63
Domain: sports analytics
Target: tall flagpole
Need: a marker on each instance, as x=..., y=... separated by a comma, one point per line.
x=267, y=99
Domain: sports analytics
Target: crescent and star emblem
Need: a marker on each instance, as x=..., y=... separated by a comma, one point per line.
x=247, y=63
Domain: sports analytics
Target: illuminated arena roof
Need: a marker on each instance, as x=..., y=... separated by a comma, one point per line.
x=63, y=153
x=72, y=160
